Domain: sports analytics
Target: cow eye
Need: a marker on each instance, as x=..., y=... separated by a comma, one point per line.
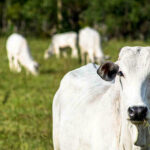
x=120, y=74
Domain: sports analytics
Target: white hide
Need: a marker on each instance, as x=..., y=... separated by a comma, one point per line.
x=62, y=40
x=90, y=44
x=91, y=114
x=19, y=54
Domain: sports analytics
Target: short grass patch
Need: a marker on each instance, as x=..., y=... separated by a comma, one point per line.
x=26, y=101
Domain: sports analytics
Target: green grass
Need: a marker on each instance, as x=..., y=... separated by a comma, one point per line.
x=26, y=101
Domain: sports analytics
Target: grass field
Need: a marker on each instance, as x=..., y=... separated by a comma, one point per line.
x=26, y=101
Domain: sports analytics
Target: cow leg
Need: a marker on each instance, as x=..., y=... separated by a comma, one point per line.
x=11, y=64
x=82, y=58
x=82, y=52
x=17, y=65
x=91, y=58
x=57, y=52
x=87, y=58
x=64, y=54
x=74, y=53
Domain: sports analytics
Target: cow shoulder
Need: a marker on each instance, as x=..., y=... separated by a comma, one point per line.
x=83, y=82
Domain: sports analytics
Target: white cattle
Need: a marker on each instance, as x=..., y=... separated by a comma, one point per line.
x=90, y=44
x=19, y=54
x=62, y=40
x=105, y=108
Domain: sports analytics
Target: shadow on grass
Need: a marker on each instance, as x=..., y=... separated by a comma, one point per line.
x=48, y=71
x=6, y=97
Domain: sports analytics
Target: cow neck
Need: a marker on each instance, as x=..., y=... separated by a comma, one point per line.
x=125, y=128
x=111, y=102
x=124, y=140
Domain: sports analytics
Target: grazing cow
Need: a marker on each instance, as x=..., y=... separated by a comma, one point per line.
x=105, y=108
x=19, y=54
x=62, y=40
x=90, y=44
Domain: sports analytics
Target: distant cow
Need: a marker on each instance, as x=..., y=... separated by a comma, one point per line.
x=90, y=44
x=106, y=107
x=62, y=40
x=19, y=54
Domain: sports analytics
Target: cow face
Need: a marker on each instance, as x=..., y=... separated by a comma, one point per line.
x=33, y=68
x=47, y=54
x=132, y=76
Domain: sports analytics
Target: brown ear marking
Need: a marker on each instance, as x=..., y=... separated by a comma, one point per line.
x=108, y=71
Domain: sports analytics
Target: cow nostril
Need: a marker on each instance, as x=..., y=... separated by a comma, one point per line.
x=131, y=111
x=137, y=113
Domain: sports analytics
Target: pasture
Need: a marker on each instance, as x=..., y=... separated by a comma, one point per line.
x=26, y=101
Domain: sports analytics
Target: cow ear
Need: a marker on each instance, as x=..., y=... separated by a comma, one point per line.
x=108, y=71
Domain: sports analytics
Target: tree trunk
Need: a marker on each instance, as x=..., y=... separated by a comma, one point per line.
x=59, y=13
x=4, y=21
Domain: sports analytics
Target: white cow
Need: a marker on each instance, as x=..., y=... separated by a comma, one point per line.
x=90, y=44
x=105, y=108
x=62, y=40
x=19, y=54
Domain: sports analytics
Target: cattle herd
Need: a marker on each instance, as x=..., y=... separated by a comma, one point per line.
x=104, y=107
x=89, y=43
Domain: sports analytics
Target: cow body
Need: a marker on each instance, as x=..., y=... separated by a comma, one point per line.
x=92, y=114
x=62, y=40
x=19, y=54
x=90, y=44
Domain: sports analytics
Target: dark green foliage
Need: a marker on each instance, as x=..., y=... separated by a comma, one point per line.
x=113, y=18
x=32, y=17
x=121, y=17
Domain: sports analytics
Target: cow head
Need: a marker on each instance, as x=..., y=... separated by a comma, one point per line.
x=33, y=67
x=48, y=52
x=131, y=74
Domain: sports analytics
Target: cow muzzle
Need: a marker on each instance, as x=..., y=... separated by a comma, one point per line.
x=137, y=114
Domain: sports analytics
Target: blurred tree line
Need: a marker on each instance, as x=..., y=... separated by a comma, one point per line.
x=113, y=18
